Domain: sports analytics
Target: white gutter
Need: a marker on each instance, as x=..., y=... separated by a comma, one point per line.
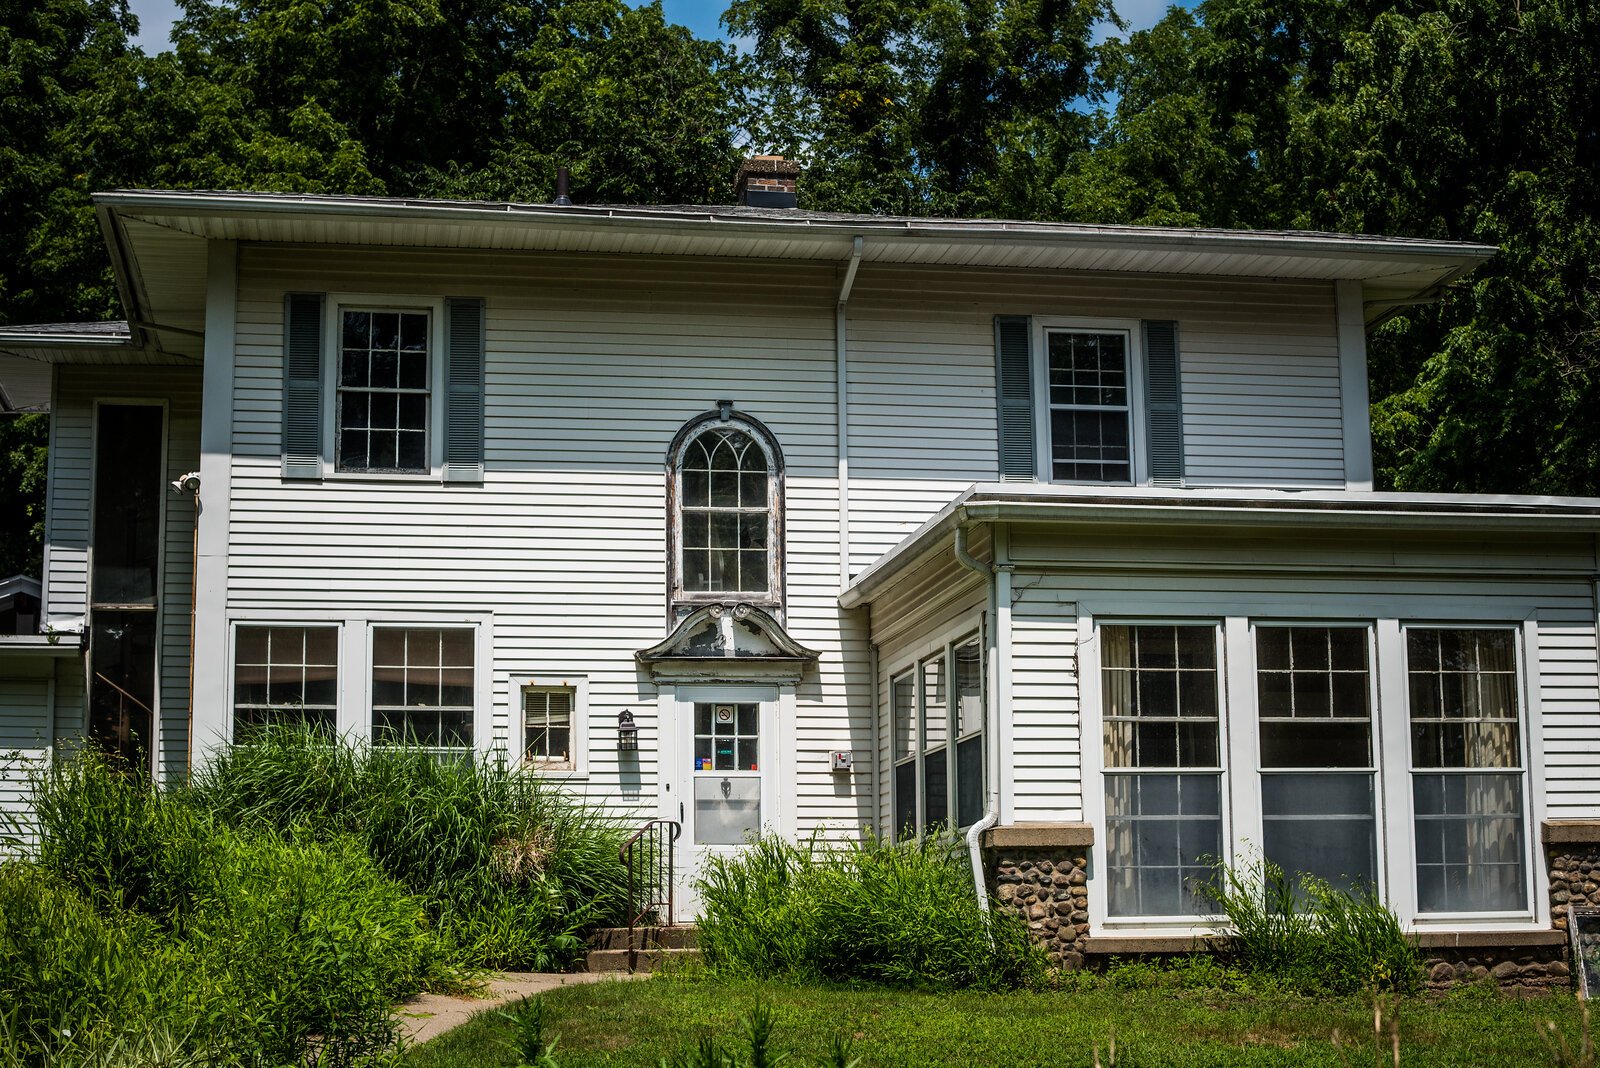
x=841, y=369
x=993, y=578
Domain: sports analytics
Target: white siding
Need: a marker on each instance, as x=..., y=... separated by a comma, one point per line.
x=67, y=525
x=24, y=736
x=1260, y=377
x=593, y=365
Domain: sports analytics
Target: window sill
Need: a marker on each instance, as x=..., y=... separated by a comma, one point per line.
x=383, y=476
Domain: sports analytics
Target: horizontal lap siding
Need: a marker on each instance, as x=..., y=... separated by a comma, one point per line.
x=1486, y=582
x=24, y=737
x=1260, y=377
x=68, y=529
x=593, y=364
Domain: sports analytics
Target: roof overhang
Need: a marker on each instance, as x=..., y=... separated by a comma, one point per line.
x=1224, y=509
x=38, y=645
x=158, y=244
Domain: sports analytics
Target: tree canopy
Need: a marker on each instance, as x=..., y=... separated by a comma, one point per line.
x=1470, y=119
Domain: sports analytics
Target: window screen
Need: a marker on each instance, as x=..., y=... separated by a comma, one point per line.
x=1467, y=777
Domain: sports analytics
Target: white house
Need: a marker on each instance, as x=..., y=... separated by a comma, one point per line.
x=1064, y=532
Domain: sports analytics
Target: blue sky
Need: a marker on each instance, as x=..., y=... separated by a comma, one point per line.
x=156, y=17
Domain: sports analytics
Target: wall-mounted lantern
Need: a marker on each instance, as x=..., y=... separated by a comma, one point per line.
x=627, y=732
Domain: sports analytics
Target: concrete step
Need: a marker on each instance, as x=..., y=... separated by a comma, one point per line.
x=678, y=936
x=646, y=960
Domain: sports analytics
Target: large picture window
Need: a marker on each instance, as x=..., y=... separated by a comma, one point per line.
x=1466, y=760
x=1163, y=767
x=727, y=493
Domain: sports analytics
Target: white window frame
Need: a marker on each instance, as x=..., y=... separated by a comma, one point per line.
x=1242, y=815
x=1133, y=331
x=354, y=716
x=516, y=734
x=339, y=667
x=776, y=520
x=334, y=305
x=909, y=662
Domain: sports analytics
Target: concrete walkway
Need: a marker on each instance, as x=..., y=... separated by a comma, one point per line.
x=428, y=1016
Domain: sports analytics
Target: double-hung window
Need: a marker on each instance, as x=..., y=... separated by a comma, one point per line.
x=422, y=686
x=937, y=721
x=1091, y=393
x=1466, y=779
x=1314, y=699
x=285, y=675
x=1163, y=767
x=385, y=383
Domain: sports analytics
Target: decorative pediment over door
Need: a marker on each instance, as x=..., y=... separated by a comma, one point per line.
x=727, y=643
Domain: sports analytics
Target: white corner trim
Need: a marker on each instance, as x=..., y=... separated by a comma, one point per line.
x=1355, y=406
x=211, y=726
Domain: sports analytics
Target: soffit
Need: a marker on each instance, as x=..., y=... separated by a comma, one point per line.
x=160, y=237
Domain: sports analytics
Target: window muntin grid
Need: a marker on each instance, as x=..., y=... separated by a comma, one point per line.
x=1090, y=412
x=384, y=391
x=1314, y=697
x=725, y=497
x=727, y=737
x=547, y=725
x=1470, y=820
x=1160, y=710
x=422, y=686
x=903, y=710
x=285, y=675
x=1314, y=706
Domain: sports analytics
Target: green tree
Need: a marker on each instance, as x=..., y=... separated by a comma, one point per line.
x=24, y=438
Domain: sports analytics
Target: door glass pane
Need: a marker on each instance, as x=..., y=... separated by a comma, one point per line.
x=727, y=809
x=727, y=736
x=122, y=686
x=1321, y=824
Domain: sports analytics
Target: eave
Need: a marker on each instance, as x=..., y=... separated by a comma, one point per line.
x=1229, y=509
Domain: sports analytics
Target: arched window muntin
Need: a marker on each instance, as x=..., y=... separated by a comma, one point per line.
x=725, y=487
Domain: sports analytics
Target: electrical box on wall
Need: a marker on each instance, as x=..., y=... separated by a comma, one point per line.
x=841, y=760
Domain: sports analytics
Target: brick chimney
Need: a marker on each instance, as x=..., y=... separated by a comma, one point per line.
x=766, y=182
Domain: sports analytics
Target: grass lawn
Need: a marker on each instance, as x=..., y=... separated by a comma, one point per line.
x=638, y=1023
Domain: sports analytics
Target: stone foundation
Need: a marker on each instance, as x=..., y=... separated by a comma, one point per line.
x=1041, y=873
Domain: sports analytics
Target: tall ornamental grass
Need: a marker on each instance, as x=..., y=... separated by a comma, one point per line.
x=898, y=914
x=508, y=866
x=1312, y=937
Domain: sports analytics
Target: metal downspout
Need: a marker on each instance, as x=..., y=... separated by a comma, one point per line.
x=991, y=734
x=842, y=384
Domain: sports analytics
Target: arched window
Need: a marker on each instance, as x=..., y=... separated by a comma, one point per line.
x=725, y=479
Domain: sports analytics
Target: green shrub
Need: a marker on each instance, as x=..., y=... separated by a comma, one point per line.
x=899, y=914
x=508, y=866
x=1312, y=937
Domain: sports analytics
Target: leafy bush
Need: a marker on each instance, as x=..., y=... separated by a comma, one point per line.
x=508, y=866
x=900, y=914
x=1312, y=937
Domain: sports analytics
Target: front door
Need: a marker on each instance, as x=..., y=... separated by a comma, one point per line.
x=725, y=761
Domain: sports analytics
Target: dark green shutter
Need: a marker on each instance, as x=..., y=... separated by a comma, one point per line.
x=463, y=434
x=302, y=386
x=1163, y=402
x=1013, y=361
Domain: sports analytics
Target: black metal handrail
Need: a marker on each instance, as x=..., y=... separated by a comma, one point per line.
x=648, y=856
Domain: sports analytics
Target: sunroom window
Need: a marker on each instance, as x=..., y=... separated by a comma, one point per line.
x=1163, y=767
x=1315, y=705
x=937, y=717
x=1467, y=770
